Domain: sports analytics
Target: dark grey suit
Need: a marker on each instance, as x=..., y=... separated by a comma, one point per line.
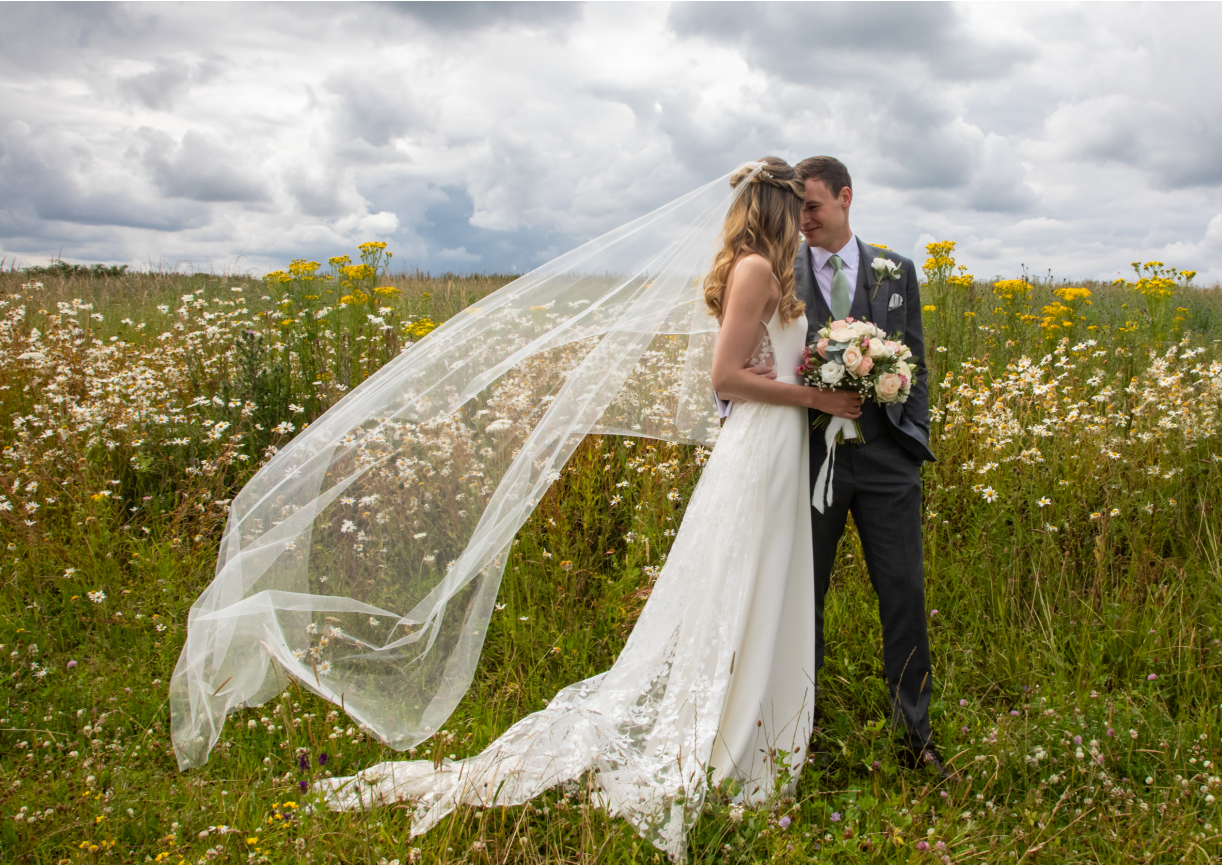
x=879, y=482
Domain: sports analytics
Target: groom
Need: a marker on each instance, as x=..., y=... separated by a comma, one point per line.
x=879, y=481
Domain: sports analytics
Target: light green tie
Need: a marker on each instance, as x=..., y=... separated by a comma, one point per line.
x=840, y=289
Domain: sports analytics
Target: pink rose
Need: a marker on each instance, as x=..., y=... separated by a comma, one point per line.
x=821, y=347
x=863, y=368
x=839, y=323
x=889, y=386
x=893, y=345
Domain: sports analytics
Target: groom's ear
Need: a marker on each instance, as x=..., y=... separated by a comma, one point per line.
x=846, y=196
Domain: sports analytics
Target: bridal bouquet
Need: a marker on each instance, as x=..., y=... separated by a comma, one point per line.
x=856, y=355
x=852, y=355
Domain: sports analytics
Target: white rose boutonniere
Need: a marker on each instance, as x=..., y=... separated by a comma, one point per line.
x=884, y=269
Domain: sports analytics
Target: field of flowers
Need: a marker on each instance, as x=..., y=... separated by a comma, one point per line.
x=1073, y=553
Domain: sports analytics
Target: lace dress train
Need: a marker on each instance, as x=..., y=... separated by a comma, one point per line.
x=715, y=681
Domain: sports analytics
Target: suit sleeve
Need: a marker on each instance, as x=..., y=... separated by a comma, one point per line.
x=916, y=407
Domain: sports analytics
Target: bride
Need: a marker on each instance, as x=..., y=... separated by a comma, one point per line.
x=716, y=681
x=363, y=560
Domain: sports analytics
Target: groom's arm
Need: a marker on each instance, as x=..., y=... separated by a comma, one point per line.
x=916, y=407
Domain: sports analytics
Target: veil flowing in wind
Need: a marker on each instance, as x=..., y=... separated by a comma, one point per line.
x=364, y=559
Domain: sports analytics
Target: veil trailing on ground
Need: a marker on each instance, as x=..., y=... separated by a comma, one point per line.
x=364, y=559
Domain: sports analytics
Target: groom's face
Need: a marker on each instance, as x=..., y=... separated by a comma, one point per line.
x=825, y=217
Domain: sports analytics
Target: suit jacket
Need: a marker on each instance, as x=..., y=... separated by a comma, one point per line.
x=900, y=318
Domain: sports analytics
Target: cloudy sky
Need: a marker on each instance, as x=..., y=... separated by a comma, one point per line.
x=491, y=137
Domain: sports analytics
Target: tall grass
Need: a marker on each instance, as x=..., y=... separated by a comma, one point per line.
x=1072, y=537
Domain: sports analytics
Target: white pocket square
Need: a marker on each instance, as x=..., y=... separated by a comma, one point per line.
x=897, y=300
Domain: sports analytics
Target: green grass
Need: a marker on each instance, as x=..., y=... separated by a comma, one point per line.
x=1053, y=621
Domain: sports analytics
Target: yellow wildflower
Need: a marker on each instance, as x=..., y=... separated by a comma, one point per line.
x=1012, y=289
x=420, y=328
x=1069, y=294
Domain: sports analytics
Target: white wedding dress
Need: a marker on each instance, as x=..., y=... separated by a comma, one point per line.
x=715, y=683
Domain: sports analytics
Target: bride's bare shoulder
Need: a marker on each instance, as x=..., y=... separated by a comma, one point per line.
x=753, y=265
x=752, y=275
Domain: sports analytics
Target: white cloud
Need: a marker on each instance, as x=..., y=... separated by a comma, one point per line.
x=495, y=135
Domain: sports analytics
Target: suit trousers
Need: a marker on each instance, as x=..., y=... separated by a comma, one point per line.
x=879, y=483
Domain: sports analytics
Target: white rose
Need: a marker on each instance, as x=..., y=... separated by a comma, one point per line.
x=831, y=373
x=904, y=369
x=842, y=334
x=863, y=328
x=888, y=387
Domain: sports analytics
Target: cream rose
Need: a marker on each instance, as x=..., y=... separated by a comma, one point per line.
x=842, y=334
x=889, y=387
x=857, y=362
x=831, y=373
x=880, y=350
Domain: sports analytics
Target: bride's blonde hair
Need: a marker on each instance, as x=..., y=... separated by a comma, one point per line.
x=764, y=219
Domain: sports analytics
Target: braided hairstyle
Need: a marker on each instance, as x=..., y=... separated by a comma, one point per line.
x=764, y=219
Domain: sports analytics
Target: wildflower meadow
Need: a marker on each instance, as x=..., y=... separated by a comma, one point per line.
x=1073, y=545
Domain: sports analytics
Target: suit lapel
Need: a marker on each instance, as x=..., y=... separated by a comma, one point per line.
x=865, y=276
x=808, y=292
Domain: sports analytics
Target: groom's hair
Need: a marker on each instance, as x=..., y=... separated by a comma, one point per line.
x=829, y=169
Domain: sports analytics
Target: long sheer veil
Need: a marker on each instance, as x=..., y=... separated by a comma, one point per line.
x=365, y=558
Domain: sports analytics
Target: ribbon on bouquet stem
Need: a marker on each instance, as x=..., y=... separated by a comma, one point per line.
x=837, y=428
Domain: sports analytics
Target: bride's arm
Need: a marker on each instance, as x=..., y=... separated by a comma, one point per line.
x=751, y=292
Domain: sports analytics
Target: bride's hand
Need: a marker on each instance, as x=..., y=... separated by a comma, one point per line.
x=841, y=403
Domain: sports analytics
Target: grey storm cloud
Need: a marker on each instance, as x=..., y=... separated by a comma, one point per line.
x=479, y=15
x=492, y=136
x=168, y=79
x=848, y=43
x=51, y=176
x=201, y=167
x=378, y=109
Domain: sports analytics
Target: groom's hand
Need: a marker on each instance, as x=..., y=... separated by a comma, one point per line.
x=765, y=371
x=841, y=403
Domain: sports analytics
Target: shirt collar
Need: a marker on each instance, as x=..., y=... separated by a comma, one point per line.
x=850, y=255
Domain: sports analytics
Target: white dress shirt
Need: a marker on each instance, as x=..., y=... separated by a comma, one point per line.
x=820, y=259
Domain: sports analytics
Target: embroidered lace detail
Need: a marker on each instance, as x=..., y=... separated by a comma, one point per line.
x=765, y=354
